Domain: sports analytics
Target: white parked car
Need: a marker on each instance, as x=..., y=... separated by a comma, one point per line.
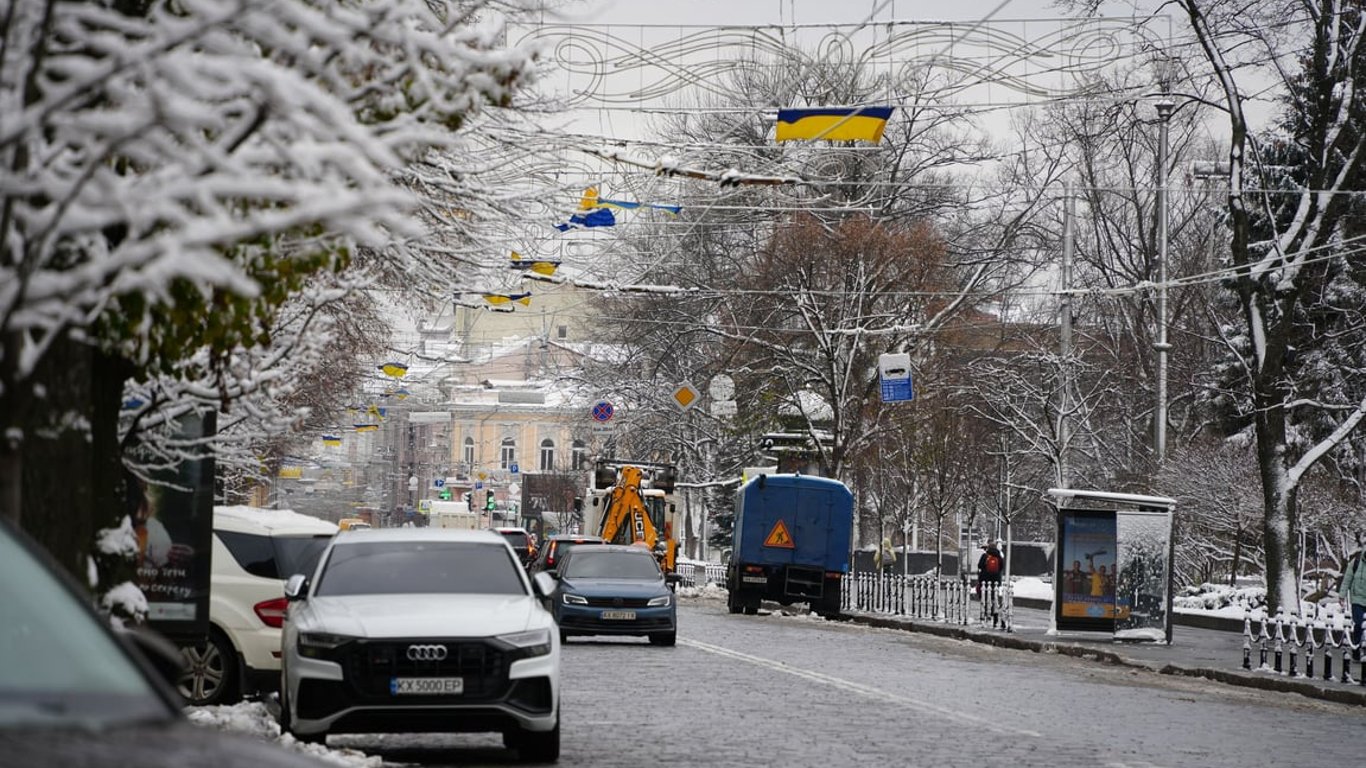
x=254, y=551
x=408, y=630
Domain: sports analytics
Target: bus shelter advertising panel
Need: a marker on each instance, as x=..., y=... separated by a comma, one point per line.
x=1086, y=578
x=172, y=514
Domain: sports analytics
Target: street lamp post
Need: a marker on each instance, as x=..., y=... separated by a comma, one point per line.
x=1165, y=107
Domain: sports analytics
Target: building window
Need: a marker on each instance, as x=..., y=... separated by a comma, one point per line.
x=562, y=332
x=580, y=455
x=547, y=455
x=508, y=455
x=469, y=452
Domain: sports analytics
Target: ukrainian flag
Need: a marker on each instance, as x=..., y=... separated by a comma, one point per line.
x=540, y=267
x=590, y=200
x=833, y=123
x=365, y=427
x=332, y=441
x=503, y=299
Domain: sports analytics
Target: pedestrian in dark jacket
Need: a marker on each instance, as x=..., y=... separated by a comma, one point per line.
x=991, y=564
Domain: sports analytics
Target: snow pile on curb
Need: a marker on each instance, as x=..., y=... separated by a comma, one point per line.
x=253, y=719
x=711, y=591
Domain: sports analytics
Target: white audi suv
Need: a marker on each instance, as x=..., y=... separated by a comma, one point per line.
x=410, y=630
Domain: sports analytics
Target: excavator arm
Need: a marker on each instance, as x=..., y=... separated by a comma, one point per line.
x=625, y=519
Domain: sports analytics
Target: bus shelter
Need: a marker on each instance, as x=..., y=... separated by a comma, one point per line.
x=1113, y=570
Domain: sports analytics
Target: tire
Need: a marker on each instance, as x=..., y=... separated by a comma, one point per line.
x=287, y=723
x=751, y=607
x=211, y=674
x=732, y=602
x=536, y=746
x=666, y=639
x=564, y=637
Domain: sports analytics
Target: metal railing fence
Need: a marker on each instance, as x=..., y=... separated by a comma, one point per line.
x=1284, y=638
x=945, y=599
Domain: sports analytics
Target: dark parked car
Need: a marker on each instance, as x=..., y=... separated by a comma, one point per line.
x=556, y=547
x=76, y=693
x=614, y=590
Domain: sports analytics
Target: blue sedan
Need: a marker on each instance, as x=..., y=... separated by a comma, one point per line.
x=615, y=590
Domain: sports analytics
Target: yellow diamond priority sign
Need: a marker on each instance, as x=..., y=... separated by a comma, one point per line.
x=686, y=396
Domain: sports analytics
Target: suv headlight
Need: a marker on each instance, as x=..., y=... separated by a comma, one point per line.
x=573, y=599
x=319, y=645
x=659, y=602
x=535, y=642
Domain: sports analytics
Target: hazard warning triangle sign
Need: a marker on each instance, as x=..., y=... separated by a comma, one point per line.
x=779, y=537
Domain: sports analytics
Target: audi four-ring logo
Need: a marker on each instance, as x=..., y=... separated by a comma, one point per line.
x=426, y=652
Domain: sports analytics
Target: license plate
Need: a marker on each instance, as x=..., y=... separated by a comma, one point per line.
x=754, y=579
x=430, y=686
x=627, y=615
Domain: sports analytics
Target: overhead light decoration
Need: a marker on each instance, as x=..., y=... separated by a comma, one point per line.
x=394, y=369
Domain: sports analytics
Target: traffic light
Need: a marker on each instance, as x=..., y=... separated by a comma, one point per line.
x=445, y=494
x=489, y=502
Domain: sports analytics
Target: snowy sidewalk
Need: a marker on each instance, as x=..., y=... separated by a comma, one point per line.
x=1194, y=652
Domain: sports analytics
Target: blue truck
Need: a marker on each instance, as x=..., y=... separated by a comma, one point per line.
x=791, y=543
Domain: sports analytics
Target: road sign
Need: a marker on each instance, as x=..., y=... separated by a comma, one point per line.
x=604, y=429
x=723, y=408
x=779, y=537
x=514, y=490
x=602, y=411
x=438, y=482
x=686, y=396
x=478, y=484
x=722, y=387
x=894, y=372
x=512, y=468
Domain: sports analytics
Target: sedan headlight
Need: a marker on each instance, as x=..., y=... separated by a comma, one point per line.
x=573, y=599
x=318, y=645
x=660, y=602
x=535, y=642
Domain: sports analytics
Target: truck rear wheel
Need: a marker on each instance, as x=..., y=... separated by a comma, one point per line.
x=733, y=602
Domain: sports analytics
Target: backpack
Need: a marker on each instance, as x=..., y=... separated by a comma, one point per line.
x=992, y=565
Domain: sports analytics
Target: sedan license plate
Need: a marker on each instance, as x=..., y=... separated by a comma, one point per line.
x=626, y=615
x=429, y=686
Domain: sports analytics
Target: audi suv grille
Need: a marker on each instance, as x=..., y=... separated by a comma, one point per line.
x=370, y=666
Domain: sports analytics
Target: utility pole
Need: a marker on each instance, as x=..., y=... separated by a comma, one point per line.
x=1065, y=332
x=1164, y=113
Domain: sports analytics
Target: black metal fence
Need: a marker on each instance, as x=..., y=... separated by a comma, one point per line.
x=1283, y=641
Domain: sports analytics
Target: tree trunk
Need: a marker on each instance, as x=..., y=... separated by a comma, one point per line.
x=71, y=474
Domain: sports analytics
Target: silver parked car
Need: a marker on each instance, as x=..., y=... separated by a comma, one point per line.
x=409, y=630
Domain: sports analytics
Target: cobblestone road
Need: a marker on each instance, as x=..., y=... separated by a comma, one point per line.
x=793, y=691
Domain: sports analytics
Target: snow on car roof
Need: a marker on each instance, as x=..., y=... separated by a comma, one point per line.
x=244, y=519
x=417, y=534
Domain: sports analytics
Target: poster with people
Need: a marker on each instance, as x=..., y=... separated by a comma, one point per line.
x=172, y=514
x=1086, y=580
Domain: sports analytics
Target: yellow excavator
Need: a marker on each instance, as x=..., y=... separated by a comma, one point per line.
x=632, y=514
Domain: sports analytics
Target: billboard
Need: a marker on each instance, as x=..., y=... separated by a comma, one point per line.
x=172, y=513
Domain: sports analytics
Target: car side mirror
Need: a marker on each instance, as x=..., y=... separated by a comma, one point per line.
x=297, y=587
x=544, y=582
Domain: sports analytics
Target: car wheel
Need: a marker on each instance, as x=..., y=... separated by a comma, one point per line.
x=564, y=637
x=535, y=746
x=211, y=671
x=665, y=639
x=733, y=602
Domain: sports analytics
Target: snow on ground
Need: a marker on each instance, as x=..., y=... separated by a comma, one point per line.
x=253, y=719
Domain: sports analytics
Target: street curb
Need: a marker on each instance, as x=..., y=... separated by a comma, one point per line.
x=1267, y=682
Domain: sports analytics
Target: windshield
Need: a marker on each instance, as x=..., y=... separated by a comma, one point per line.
x=588, y=564
x=299, y=554
x=517, y=539
x=58, y=666
x=420, y=567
